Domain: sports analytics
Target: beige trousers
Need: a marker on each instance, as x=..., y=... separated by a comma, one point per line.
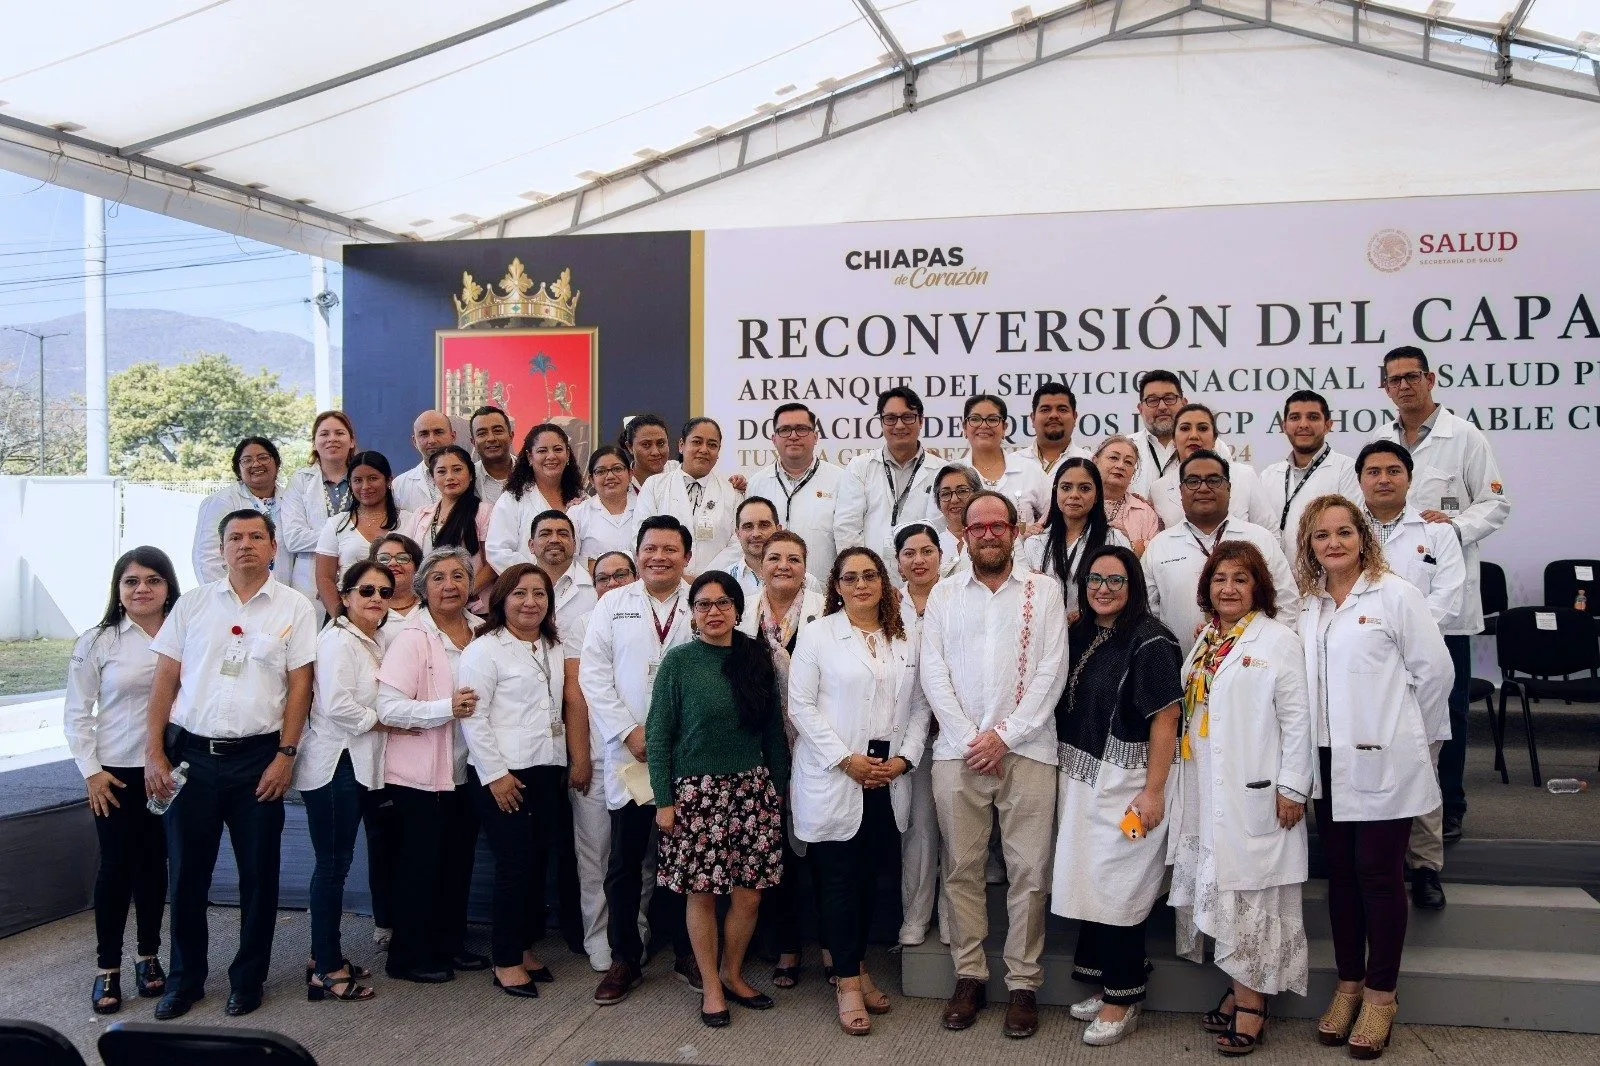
x=1024, y=798
x=1425, y=849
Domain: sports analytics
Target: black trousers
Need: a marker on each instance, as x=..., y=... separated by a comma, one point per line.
x=847, y=880
x=522, y=842
x=377, y=819
x=221, y=791
x=633, y=834
x=436, y=836
x=133, y=869
x=781, y=904
x=1111, y=957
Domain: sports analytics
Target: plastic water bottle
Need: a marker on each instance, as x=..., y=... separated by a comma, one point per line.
x=180, y=774
x=1566, y=786
x=1582, y=602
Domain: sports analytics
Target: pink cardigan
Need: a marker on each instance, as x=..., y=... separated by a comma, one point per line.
x=417, y=667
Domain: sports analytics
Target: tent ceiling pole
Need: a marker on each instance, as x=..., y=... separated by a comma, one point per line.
x=908, y=69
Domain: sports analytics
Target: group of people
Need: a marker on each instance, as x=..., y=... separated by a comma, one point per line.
x=1063, y=668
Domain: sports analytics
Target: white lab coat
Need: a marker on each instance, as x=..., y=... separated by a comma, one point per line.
x=1247, y=498
x=864, y=510
x=1172, y=564
x=510, y=525
x=1030, y=454
x=599, y=531
x=829, y=678
x=304, y=512
x=809, y=513
x=668, y=493
x=1387, y=682
x=207, y=554
x=1429, y=555
x=1335, y=476
x=1455, y=472
x=414, y=489
x=1024, y=484
x=811, y=605
x=1260, y=730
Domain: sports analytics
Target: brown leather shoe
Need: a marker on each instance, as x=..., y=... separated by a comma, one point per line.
x=1022, y=1016
x=622, y=978
x=965, y=1002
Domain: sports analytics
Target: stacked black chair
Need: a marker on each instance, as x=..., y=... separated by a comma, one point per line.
x=1565, y=577
x=35, y=1044
x=148, y=1044
x=1540, y=650
x=1492, y=592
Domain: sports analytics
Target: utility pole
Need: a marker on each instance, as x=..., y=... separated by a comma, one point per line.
x=322, y=302
x=97, y=419
x=41, y=338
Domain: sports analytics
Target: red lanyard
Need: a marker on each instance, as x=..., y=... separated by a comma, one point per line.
x=663, y=630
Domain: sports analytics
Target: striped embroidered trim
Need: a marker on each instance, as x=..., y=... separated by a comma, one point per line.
x=1025, y=638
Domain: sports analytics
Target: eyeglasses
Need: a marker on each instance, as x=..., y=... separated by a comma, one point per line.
x=990, y=421
x=602, y=578
x=707, y=606
x=1169, y=400
x=961, y=492
x=992, y=530
x=1210, y=481
x=386, y=558
x=606, y=471
x=366, y=592
x=1412, y=378
x=910, y=418
x=793, y=431
x=865, y=577
x=1114, y=582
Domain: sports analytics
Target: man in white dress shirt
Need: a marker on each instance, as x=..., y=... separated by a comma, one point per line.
x=881, y=490
x=802, y=487
x=1054, y=418
x=699, y=497
x=553, y=544
x=233, y=683
x=255, y=465
x=492, y=440
x=630, y=630
x=1175, y=556
x=1313, y=468
x=1428, y=555
x=414, y=489
x=994, y=654
x=1456, y=482
x=1160, y=396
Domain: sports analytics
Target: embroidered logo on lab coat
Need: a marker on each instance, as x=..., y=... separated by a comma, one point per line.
x=1369, y=620
x=1495, y=487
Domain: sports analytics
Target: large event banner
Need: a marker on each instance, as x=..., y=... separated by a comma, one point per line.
x=1246, y=304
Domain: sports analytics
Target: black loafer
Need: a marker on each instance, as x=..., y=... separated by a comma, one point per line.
x=467, y=960
x=719, y=1019
x=241, y=1003
x=422, y=976
x=759, y=1001
x=175, y=1004
x=528, y=990
x=1426, y=891
x=1452, y=828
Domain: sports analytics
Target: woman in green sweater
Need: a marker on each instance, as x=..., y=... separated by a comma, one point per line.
x=718, y=765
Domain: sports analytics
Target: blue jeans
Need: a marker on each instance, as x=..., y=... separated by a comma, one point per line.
x=333, y=814
x=1453, y=755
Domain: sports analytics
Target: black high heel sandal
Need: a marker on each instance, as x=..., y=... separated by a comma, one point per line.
x=360, y=973
x=107, y=986
x=1218, y=1020
x=344, y=988
x=786, y=976
x=150, y=978
x=1234, y=1042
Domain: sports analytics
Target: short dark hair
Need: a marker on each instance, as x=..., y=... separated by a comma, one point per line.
x=911, y=529
x=1307, y=396
x=1211, y=416
x=409, y=546
x=738, y=512
x=663, y=521
x=1204, y=453
x=1054, y=388
x=1263, y=598
x=903, y=393
x=1385, y=447
x=989, y=494
x=245, y=514
x=265, y=445
x=791, y=408
x=1151, y=377
x=352, y=578
x=1405, y=351
x=604, y=451
x=550, y=515
x=633, y=568
x=484, y=411
x=984, y=397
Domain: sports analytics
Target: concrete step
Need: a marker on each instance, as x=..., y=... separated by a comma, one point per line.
x=1497, y=988
x=1509, y=917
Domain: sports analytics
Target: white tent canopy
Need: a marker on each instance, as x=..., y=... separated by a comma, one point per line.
x=311, y=125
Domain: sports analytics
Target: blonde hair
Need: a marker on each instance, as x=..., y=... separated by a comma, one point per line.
x=1307, y=571
x=1118, y=438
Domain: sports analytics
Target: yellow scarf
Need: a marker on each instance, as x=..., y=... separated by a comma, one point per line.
x=1214, y=647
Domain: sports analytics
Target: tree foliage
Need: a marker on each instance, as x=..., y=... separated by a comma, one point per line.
x=19, y=428
x=180, y=423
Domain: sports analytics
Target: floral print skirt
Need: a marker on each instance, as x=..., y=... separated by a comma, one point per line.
x=728, y=834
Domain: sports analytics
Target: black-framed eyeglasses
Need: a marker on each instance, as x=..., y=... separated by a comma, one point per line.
x=1411, y=377
x=602, y=578
x=1114, y=582
x=722, y=603
x=366, y=592
x=910, y=418
x=991, y=421
x=603, y=471
x=387, y=558
x=960, y=492
x=1210, y=481
x=793, y=431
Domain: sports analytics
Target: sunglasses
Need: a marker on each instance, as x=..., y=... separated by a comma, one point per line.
x=366, y=592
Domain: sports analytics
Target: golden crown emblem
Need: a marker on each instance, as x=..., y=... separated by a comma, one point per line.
x=518, y=297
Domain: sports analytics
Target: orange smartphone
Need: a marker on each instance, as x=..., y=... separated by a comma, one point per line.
x=1131, y=826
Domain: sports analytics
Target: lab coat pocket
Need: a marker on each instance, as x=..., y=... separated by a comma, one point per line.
x=1370, y=768
x=1261, y=809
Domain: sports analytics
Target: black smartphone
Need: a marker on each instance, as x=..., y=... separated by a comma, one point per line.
x=878, y=749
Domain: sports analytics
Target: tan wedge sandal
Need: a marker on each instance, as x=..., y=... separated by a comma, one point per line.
x=876, y=1000
x=1333, y=1028
x=853, y=1016
x=1373, y=1030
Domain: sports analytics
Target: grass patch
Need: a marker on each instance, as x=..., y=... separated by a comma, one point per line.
x=33, y=665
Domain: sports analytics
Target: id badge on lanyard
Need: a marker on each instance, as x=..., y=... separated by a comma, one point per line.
x=233, y=659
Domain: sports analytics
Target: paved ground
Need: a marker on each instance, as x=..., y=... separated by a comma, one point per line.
x=45, y=975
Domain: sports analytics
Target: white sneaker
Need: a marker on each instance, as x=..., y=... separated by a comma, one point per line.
x=600, y=962
x=1085, y=1010
x=1102, y=1034
x=911, y=936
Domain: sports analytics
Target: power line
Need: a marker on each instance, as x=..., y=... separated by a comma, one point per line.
x=33, y=284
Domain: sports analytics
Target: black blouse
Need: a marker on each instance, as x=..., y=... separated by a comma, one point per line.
x=1114, y=688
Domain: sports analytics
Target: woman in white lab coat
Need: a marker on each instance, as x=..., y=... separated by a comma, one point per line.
x=1379, y=676
x=697, y=495
x=545, y=478
x=850, y=699
x=1236, y=838
x=316, y=491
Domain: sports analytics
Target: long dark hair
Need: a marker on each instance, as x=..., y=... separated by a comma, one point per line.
x=500, y=592
x=379, y=462
x=748, y=666
x=462, y=525
x=1095, y=530
x=522, y=477
x=1138, y=607
x=889, y=620
x=150, y=558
